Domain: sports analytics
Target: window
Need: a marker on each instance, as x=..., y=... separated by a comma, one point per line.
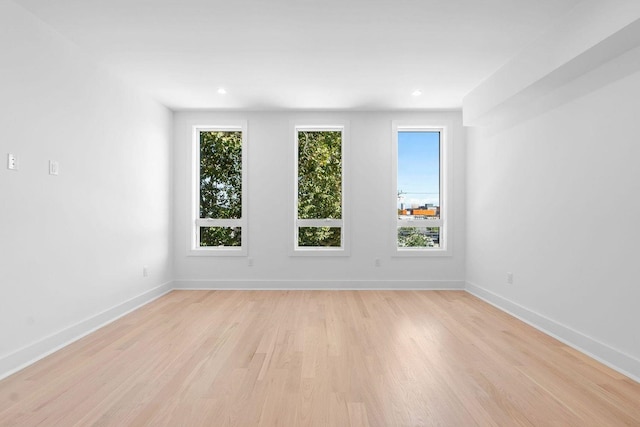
x=319, y=208
x=220, y=190
x=419, y=190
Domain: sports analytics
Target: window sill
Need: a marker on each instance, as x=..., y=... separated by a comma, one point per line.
x=426, y=253
x=217, y=252
x=319, y=252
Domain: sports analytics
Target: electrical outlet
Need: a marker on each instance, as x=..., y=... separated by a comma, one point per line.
x=54, y=167
x=12, y=162
x=377, y=262
x=510, y=278
x=145, y=271
x=250, y=262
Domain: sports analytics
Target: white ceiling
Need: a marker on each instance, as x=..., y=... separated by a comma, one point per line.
x=302, y=54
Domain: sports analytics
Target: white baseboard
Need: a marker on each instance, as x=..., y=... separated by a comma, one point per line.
x=319, y=284
x=31, y=353
x=615, y=359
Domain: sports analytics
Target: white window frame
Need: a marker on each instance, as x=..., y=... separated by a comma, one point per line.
x=445, y=181
x=196, y=222
x=343, y=250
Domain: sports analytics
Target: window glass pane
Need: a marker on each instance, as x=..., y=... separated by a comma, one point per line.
x=418, y=237
x=319, y=236
x=319, y=175
x=220, y=236
x=221, y=174
x=419, y=174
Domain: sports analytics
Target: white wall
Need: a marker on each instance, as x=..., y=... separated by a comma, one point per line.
x=554, y=197
x=73, y=245
x=270, y=196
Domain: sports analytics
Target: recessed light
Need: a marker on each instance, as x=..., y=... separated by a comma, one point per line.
x=222, y=91
x=417, y=92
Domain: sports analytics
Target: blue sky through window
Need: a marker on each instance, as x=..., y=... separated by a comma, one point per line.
x=418, y=168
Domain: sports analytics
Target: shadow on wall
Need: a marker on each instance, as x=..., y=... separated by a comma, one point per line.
x=547, y=94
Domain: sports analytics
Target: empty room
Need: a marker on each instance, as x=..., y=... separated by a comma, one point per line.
x=319, y=213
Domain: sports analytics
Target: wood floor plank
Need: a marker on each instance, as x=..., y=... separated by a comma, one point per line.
x=318, y=358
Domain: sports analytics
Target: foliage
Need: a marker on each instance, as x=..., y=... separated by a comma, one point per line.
x=412, y=237
x=220, y=236
x=220, y=185
x=319, y=185
x=319, y=236
x=319, y=174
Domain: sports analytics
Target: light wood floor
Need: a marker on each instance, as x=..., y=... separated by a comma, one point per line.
x=326, y=358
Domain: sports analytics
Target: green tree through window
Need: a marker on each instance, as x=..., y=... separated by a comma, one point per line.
x=220, y=185
x=414, y=237
x=319, y=185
